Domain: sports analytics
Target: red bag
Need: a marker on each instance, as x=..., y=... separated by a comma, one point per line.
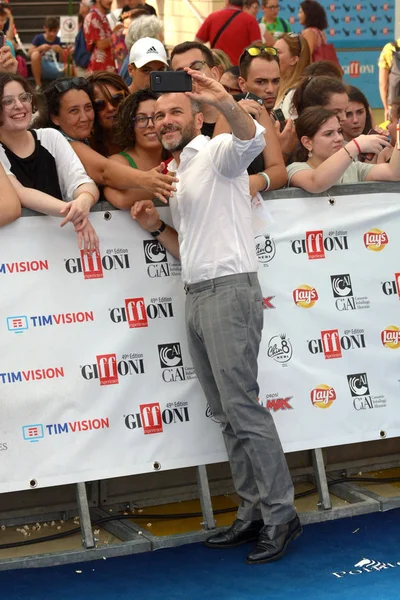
x=324, y=51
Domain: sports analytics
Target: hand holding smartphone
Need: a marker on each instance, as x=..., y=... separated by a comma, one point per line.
x=165, y=82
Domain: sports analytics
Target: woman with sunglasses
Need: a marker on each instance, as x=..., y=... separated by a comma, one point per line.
x=70, y=109
x=294, y=56
x=324, y=160
x=43, y=169
x=135, y=132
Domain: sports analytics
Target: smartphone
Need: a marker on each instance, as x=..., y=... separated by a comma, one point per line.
x=369, y=155
x=250, y=96
x=278, y=115
x=2, y=38
x=170, y=81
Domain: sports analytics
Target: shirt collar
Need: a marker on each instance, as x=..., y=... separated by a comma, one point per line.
x=189, y=151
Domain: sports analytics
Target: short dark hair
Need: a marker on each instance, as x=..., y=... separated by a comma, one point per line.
x=249, y=3
x=246, y=59
x=186, y=46
x=308, y=124
x=315, y=15
x=316, y=91
x=356, y=95
x=125, y=130
x=8, y=78
x=52, y=23
x=325, y=68
x=238, y=3
x=53, y=100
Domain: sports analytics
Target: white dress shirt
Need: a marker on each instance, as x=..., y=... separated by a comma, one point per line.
x=211, y=209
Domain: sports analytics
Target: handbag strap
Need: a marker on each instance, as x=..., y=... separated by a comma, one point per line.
x=224, y=26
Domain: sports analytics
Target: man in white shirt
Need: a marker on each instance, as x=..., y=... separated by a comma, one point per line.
x=224, y=314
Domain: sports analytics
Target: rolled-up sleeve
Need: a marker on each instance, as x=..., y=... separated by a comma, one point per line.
x=231, y=156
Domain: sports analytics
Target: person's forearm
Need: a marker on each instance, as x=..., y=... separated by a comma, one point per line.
x=394, y=164
x=277, y=176
x=10, y=30
x=169, y=239
x=121, y=176
x=327, y=173
x=384, y=86
x=103, y=44
x=40, y=202
x=90, y=189
x=125, y=199
x=241, y=124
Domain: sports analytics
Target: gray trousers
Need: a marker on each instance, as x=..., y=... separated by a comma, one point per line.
x=224, y=320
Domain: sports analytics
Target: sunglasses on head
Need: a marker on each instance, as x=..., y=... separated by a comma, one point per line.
x=69, y=84
x=113, y=99
x=257, y=50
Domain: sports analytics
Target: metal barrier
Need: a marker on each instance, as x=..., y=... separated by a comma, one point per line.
x=317, y=466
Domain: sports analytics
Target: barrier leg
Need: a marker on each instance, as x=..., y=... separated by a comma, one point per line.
x=84, y=516
x=320, y=479
x=205, y=497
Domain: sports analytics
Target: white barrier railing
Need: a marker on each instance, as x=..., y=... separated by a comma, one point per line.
x=95, y=376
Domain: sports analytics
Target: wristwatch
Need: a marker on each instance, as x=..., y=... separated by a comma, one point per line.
x=158, y=231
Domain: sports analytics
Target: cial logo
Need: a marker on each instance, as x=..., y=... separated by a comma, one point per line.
x=342, y=289
x=305, y=296
x=315, y=244
x=331, y=343
x=37, y=431
x=280, y=348
x=107, y=369
x=390, y=288
x=137, y=312
x=375, y=239
x=360, y=393
x=151, y=418
x=156, y=260
x=390, y=337
x=210, y=415
x=365, y=565
x=265, y=248
x=323, y=396
x=93, y=265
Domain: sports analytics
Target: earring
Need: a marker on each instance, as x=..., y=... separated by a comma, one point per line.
x=309, y=154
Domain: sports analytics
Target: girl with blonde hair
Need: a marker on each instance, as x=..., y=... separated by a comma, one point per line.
x=294, y=56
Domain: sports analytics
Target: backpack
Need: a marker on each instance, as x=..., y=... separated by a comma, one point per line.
x=394, y=75
x=324, y=51
x=81, y=54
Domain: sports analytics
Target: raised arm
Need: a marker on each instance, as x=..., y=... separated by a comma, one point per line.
x=209, y=91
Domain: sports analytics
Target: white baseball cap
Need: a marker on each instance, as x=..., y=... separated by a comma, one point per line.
x=146, y=50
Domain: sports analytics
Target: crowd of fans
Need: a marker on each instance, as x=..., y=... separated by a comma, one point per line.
x=92, y=135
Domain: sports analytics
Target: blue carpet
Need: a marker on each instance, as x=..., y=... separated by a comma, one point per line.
x=194, y=572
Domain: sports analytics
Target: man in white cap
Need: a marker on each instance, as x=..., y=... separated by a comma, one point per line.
x=146, y=55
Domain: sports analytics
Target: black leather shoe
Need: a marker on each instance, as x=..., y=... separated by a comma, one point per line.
x=273, y=541
x=240, y=532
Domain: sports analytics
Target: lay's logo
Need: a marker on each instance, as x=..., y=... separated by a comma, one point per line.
x=390, y=337
x=375, y=239
x=305, y=296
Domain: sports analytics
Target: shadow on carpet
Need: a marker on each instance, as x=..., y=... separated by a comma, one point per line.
x=344, y=559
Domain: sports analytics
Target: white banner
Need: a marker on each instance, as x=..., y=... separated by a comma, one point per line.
x=95, y=376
